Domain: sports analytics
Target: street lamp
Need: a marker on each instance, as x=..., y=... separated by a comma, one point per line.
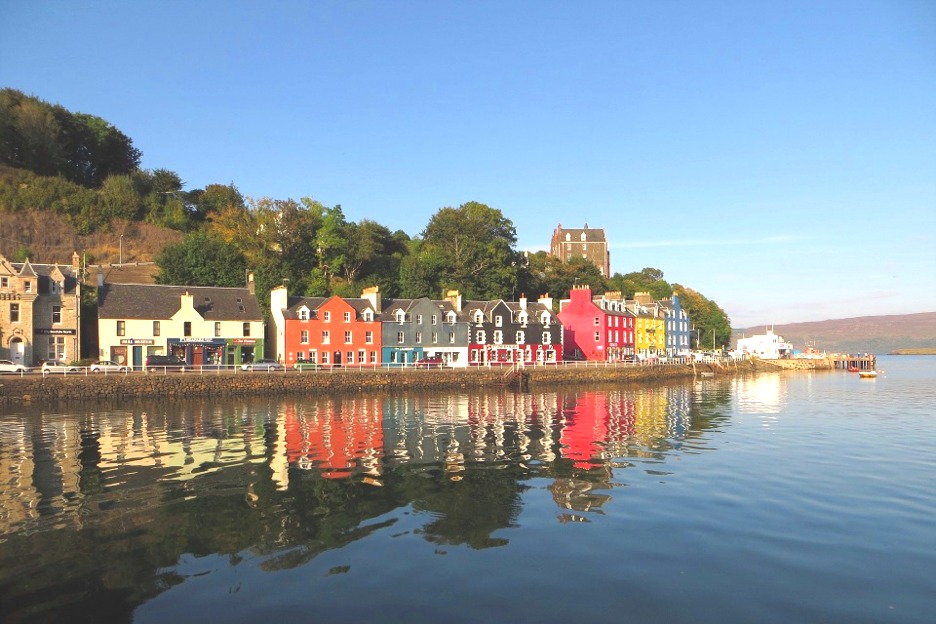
x=121, y=250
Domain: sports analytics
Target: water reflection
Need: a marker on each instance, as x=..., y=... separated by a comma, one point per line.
x=112, y=504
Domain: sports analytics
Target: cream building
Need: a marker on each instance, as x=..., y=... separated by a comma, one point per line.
x=201, y=325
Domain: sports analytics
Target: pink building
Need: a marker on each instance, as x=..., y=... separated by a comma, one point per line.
x=599, y=329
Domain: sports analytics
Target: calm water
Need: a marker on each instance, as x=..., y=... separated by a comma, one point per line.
x=801, y=497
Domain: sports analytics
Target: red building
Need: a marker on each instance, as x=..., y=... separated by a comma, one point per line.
x=328, y=331
x=599, y=329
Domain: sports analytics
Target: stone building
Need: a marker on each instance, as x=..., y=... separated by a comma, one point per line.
x=40, y=311
x=588, y=243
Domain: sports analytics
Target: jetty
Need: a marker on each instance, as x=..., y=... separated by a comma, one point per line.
x=859, y=362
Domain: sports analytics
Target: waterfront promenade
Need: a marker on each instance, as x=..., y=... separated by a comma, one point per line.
x=86, y=386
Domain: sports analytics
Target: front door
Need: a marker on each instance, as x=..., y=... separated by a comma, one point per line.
x=137, y=357
x=17, y=350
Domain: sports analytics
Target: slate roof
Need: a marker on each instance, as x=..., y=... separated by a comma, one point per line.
x=360, y=305
x=592, y=235
x=154, y=301
x=43, y=273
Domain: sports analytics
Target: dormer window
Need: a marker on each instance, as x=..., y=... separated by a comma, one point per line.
x=545, y=319
x=451, y=317
x=583, y=237
x=303, y=313
x=400, y=316
x=27, y=286
x=568, y=236
x=478, y=317
x=522, y=318
x=368, y=316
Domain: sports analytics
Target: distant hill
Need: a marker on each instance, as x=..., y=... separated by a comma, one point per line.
x=872, y=334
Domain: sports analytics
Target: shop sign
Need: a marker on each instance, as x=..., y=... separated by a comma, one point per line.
x=137, y=341
x=55, y=332
x=200, y=341
x=244, y=341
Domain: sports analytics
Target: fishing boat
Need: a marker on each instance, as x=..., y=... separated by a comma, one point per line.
x=867, y=374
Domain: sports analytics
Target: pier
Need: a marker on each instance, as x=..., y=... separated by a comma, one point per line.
x=860, y=362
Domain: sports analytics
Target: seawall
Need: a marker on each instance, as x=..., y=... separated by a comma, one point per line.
x=83, y=387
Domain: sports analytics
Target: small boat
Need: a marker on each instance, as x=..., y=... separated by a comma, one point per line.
x=868, y=374
x=852, y=369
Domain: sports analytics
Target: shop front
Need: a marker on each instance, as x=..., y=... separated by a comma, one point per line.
x=198, y=351
x=243, y=350
x=133, y=351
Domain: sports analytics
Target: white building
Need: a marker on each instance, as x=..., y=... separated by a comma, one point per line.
x=768, y=346
x=200, y=325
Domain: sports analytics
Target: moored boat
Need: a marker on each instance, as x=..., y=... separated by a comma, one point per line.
x=867, y=374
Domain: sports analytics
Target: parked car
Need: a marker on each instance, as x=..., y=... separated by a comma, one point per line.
x=262, y=365
x=108, y=366
x=430, y=361
x=303, y=365
x=50, y=366
x=164, y=363
x=6, y=366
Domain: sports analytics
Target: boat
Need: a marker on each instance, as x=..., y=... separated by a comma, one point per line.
x=853, y=369
x=867, y=374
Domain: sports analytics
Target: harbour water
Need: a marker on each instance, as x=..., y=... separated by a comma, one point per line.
x=772, y=497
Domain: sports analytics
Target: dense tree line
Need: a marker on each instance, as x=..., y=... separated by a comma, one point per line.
x=86, y=170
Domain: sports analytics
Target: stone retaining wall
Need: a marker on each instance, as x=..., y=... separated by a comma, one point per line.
x=15, y=389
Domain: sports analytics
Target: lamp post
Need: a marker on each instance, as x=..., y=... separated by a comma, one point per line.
x=121, y=250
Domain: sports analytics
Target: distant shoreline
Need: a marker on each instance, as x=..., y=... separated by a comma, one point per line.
x=922, y=351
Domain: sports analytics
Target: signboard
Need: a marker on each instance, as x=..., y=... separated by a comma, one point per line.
x=55, y=332
x=137, y=341
x=200, y=341
x=244, y=341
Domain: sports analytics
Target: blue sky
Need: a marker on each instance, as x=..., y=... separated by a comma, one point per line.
x=778, y=157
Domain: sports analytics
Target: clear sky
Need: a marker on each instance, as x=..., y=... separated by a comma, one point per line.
x=778, y=157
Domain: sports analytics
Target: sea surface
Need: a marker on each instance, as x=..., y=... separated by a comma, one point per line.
x=775, y=497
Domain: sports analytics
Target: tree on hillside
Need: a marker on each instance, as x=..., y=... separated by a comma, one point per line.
x=49, y=140
x=712, y=325
x=473, y=245
x=201, y=260
x=647, y=280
